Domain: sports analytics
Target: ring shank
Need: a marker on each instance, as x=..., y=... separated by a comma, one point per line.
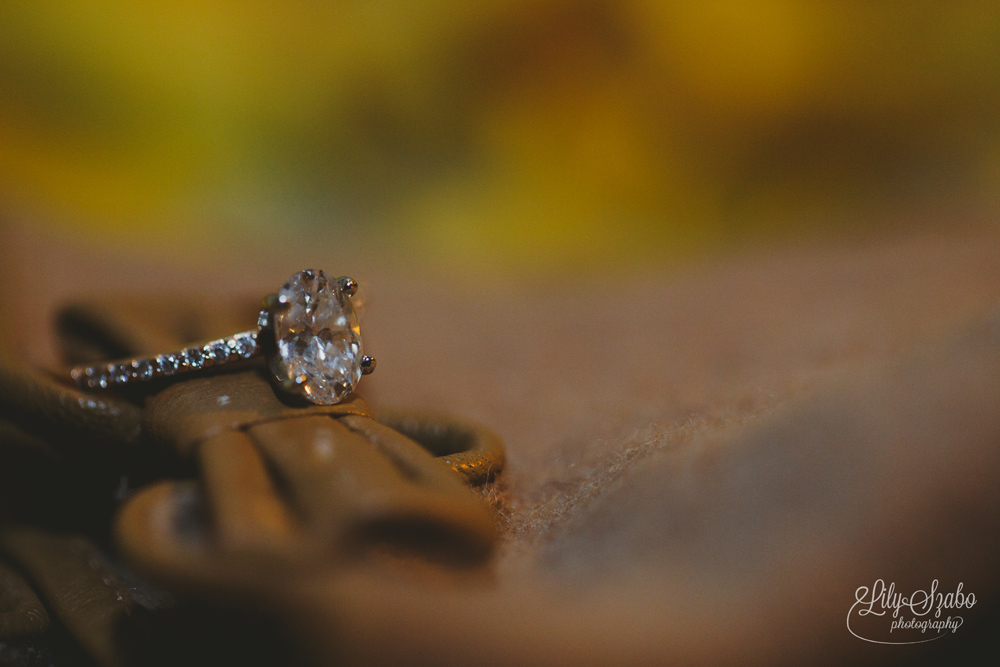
x=121, y=372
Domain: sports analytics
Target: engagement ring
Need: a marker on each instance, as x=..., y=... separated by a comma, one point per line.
x=308, y=332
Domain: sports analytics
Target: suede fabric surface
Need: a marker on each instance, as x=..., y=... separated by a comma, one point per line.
x=703, y=465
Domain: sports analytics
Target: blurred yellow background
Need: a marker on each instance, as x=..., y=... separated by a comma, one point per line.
x=496, y=134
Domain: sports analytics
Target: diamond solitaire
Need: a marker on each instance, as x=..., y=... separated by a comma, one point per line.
x=308, y=331
x=317, y=339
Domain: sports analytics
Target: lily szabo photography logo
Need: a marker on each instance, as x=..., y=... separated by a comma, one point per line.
x=881, y=614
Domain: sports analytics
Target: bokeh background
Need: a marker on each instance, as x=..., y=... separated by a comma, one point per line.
x=542, y=135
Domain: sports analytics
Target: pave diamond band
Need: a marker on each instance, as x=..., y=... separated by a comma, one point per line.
x=308, y=331
x=193, y=358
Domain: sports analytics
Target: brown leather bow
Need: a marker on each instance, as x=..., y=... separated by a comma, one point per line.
x=249, y=495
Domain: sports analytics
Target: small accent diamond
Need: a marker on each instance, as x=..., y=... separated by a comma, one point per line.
x=142, y=369
x=194, y=357
x=243, y=346
x=218, y=351
x=119, y=373
x=167, y=363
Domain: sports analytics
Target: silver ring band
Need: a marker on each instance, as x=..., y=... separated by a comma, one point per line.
x=122, y=372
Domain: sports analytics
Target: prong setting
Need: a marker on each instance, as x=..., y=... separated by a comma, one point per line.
x=348, y=285
x=367, y=364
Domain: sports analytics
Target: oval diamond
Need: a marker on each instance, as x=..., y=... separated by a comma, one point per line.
x=317, y=338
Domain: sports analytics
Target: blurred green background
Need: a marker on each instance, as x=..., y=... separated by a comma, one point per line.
x=496, y=134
